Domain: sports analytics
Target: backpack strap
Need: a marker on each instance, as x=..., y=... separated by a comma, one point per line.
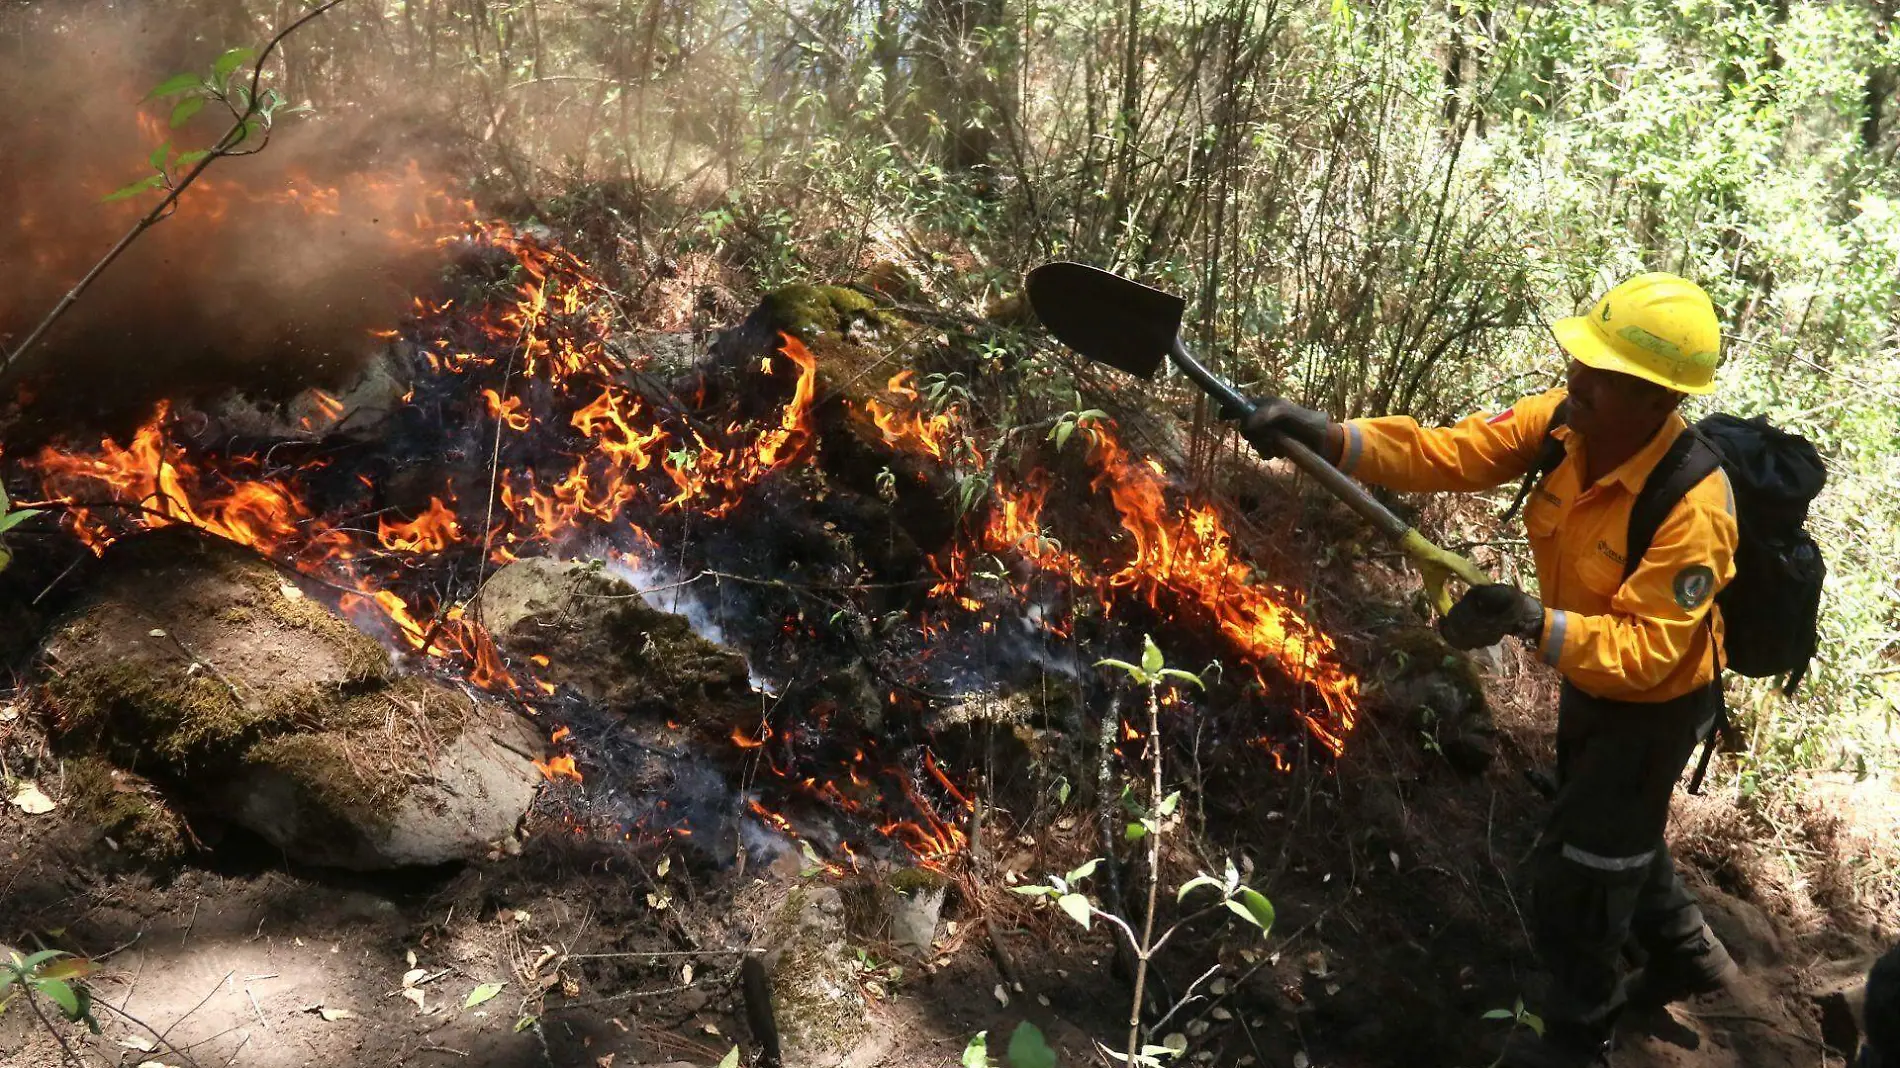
x=1550, y=453
x=1690, y=459
x=1718, y=726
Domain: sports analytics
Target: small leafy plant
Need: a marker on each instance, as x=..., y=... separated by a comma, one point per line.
x=253, y=113
x=1154, y=820
x=10, y=517
x=1082, y=419
x=53, y=975
x=1519, y=1017
x=1027, y=1049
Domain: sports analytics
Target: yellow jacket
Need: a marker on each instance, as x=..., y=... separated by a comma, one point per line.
x=1640, y=640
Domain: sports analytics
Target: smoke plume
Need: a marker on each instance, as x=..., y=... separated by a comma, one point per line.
x=268, y=278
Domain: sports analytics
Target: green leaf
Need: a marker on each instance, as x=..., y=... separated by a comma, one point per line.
x=149, y=182
x=1076, y=906
x=484, y=992
x=1535, y=1023
x=14, y=519
x=731, y=1059
x=1134, y=832
x=73, y=968
x=1134, y=672
x=1195, y=884
x=1037, y=890
x=1083, y=872
x=1151, y=661
x=1169, y=804
x=1184, y=676
x=42, y=957
x=157, y=158
x=1027, y=1048
x=977, y=1053
x=190, y=159
x=523, y=1024
x=230, y=61
x=6, y=557
x=1062, y=432
x=1499, y=1014
x=61, y=993
x=1252, y=905
x=174, y=85
x=186, y=108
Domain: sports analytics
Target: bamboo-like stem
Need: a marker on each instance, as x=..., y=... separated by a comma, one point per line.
x=33, y=1002
x=1146, y=949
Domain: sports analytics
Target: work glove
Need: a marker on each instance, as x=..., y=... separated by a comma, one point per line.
x=1276, y=416
x=1485, y=614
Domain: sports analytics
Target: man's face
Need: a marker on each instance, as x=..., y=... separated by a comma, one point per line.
x=1616, y=409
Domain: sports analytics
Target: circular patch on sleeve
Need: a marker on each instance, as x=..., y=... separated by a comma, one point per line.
x=1693, y=584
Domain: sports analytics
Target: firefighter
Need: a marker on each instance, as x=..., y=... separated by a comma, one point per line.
x=1638, y=654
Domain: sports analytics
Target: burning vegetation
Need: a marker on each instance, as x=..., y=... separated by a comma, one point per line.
x=873, y=562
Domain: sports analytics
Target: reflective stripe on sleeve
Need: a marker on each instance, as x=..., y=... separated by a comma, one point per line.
x=1355, y=444
x=1603, y=863
x=1554, y=637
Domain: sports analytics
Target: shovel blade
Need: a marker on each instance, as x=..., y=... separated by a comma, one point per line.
x=1106, y=317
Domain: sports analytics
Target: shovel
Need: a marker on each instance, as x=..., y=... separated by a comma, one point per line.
x=1129, y=326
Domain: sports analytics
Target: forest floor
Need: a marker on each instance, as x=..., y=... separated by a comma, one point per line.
x=1399, y=927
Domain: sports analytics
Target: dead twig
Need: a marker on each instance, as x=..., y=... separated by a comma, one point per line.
x=166, y=1034
x=232, y=1059
x=189, y=924
x=258, y=1009
x=163, y=1043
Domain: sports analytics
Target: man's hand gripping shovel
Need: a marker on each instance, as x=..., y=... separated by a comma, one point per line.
x=1134, y=328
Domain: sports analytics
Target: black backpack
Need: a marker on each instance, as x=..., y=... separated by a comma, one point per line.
x=1771, y=608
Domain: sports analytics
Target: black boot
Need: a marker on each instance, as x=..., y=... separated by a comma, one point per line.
x=1699, y=966
x=1563, y=1045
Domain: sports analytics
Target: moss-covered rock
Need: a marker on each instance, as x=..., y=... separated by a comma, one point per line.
x=819, y=1008
x=226, y=685
x=126, y=809
x=807, y=310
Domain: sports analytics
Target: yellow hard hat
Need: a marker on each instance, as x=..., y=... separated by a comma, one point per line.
x=1655, y=326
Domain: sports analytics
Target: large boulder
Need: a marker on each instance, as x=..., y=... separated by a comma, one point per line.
x=225, y=687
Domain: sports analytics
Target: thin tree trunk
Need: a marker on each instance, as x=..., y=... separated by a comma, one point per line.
x=1881, y=81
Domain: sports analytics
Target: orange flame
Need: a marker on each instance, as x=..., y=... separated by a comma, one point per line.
x=557, y=768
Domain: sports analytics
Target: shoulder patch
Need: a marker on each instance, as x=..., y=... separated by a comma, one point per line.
x=1692, y=586
x=1501, y=416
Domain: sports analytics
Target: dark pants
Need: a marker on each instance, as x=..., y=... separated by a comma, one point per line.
x=1601, y=874
x=1883, y=1014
